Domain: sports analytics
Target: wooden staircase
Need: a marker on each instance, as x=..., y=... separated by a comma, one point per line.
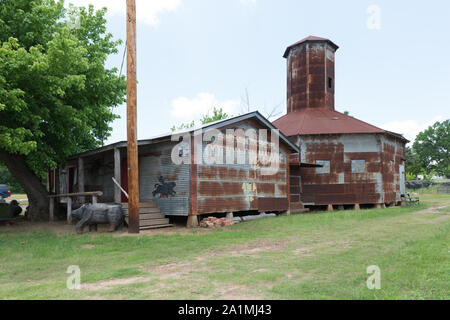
x=298, y=207
x=150, y=217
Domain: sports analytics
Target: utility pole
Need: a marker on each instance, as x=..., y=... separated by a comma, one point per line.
x=132, y=146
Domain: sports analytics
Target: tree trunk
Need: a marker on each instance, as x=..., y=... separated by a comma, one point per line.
x=37, y=194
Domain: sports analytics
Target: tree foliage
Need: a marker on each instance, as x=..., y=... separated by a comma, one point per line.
x=217, y=114
x=8, y=179
x=432, y=147
x=56, y=95
x=55, y=92
x=413, y=165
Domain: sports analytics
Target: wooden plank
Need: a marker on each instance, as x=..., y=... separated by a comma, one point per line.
x=81, y=178
x=132, y=146
x=153, y=222
x=145, y=210
x=157, y=227
x=78, y=194
x=150, y=216
x=142, y=205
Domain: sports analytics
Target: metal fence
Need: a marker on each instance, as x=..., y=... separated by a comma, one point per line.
x=445, y=189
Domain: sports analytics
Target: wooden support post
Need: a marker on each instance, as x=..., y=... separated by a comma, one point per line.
x=132, y=147
x=69, y=210
x=47, y=185
x=192, y=221
x=57, y=180
x=383, y=206
x=117, y=176
x=378, y=206
x=357, y=207
x=52, y=209
x=81, y=179
x=330, y=207
x=94, y=200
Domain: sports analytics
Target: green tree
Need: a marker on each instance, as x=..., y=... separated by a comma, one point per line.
x=433, y=148
x=413, y=165
x=56, y=95
x=218, y=114
x=8, y=179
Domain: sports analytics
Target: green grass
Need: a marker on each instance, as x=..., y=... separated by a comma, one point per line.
x=309, y=256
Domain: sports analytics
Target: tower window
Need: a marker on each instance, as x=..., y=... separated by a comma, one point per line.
x=330, y=83
x=325, y=166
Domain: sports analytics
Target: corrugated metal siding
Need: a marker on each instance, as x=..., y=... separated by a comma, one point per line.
x=393, y=153
x=238, y=187
x=156, y=161
x=341, y=185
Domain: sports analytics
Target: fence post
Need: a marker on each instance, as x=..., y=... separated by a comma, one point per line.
x=69, y=210
x=52, y=209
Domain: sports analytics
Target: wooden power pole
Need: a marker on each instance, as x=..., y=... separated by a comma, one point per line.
x=132, y=146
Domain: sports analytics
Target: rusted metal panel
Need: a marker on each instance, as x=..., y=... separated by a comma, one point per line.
x=273, y=204
x=310, y=65
x=343, y=183
x=240, y=187
x=363, y=169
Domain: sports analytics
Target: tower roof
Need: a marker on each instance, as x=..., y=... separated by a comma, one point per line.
x=309, y=39
x=313, y=122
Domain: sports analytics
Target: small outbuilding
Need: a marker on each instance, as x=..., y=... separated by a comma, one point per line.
x=218, y=168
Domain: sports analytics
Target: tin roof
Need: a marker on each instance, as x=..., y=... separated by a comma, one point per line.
x=255, y=115
x=312, y=121
x=309, y=39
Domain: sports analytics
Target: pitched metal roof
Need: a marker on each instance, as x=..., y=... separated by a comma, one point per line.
x=213, y=125
x=322, y=121
x=309, y=39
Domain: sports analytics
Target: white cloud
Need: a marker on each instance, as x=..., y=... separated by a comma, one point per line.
x=192, y=109
x=410, y=128
x=147, y=11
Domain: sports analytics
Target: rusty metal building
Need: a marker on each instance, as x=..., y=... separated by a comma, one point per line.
x=186, y=188
x=361, y=163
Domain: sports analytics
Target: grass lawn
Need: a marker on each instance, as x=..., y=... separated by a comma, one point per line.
x=309, y=256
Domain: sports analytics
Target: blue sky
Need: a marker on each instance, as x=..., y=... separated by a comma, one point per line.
x=392, y=67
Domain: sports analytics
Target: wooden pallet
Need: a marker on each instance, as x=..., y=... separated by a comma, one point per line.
x=150, y=217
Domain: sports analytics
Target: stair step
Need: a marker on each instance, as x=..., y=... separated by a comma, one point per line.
x=156, y=227
x=141, y=205
x=296, y=206
x=151, y=222
x=148, y=216
x=145, y=210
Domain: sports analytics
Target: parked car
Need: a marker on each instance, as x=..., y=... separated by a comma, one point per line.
x=4, y=191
